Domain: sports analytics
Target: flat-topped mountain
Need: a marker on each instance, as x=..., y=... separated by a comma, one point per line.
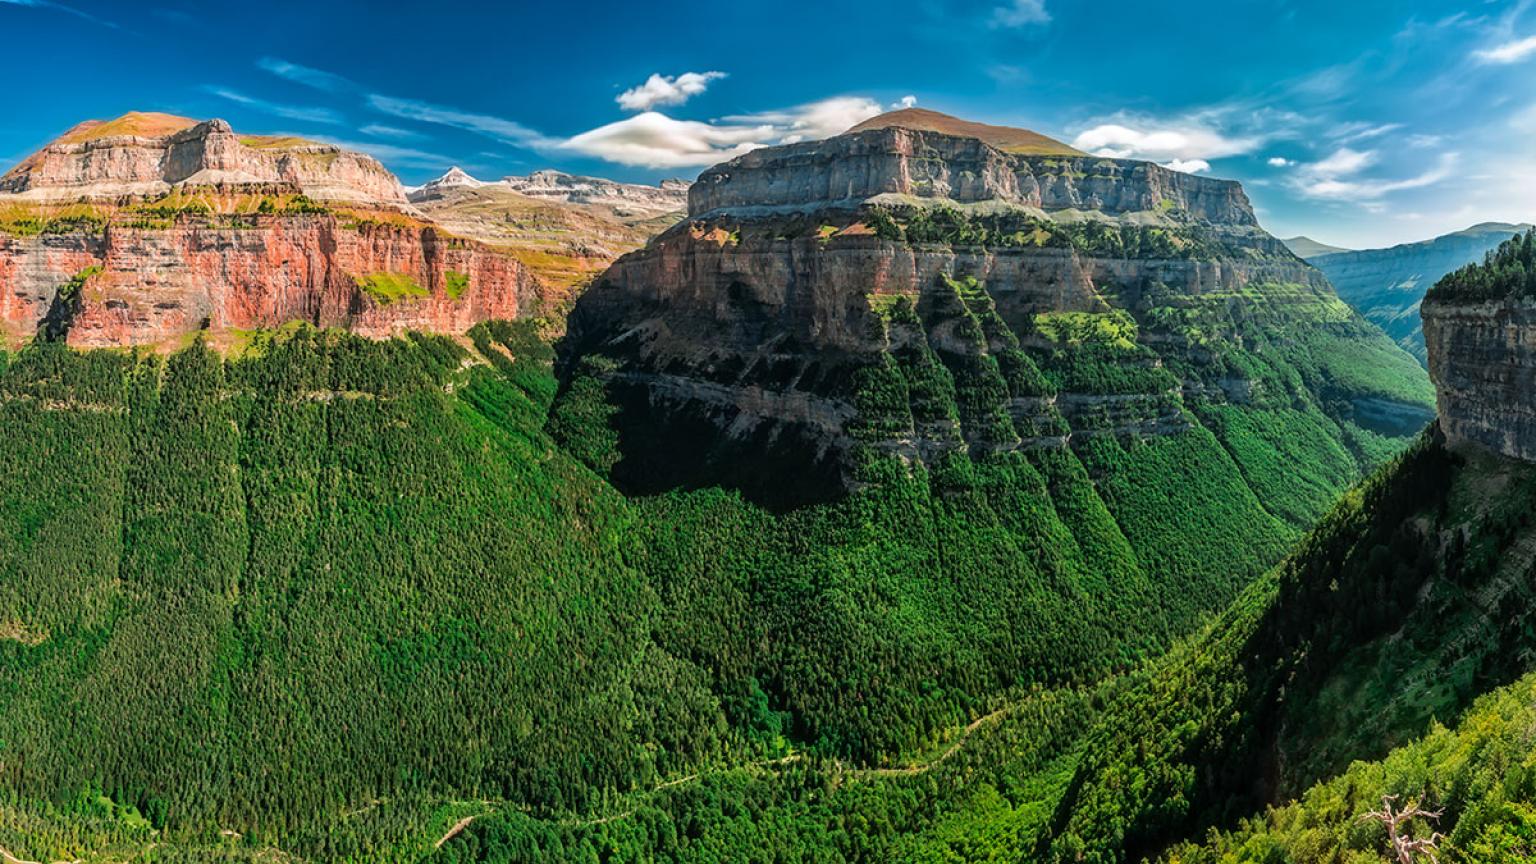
x=150, y=227
x=894, y=165
x=1004, y=138
x=1386, y=285
x=142, y=154
x=906, y=293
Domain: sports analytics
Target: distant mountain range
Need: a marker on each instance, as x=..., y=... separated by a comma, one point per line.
x=566, y=228
x=1386, y=285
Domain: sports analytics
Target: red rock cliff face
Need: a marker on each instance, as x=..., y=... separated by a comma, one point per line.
x=151, y=285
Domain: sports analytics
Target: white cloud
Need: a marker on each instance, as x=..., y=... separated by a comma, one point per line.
x=1159, y=142
x=304, y=75
x=508, y=131
x=1188, y=166
x=1352, y=132
x=654, y=140
x=1342, y=161
x=1334, y=178
x=813, y=120
x=292, y=112
x=1509, y=52
x=904, y=103
x=1280, y=162
x=1020, y=13
x=379, y=130
x=666, y=90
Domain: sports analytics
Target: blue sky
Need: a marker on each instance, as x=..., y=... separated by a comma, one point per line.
x=1358, y=122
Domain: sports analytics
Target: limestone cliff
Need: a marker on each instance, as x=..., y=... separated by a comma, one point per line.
x=1480, y=331
x=139, y=155
x=912, y=293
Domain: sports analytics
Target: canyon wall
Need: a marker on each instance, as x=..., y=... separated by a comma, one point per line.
x=850, y=169
x=97, y=161
x=764, y=328
x=142, y=285
x=1482, y=357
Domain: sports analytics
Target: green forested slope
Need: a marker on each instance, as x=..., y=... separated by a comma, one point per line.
x=332, y=596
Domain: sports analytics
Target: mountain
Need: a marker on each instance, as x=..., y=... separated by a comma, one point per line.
x=1306, y=247
x=819, y=291
x=1004, y=138
x=1270, y=734
x=625, y=199
x=948, y=457
x=565, y=229
x=147, y=155
x=150, y=228
x=1386, y=285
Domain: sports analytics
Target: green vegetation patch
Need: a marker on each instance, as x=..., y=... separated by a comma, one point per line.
x=1113, y=329
x=455, y=283
x=389, y=288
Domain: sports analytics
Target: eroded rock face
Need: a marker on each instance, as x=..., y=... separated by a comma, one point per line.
x=850, y=169
x=763, y=330
x=1482, y=357
x=86, y=165
x=151, y=285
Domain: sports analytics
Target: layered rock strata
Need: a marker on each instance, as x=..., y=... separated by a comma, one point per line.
x=147, y=285
x=819, y=291
x=1482, y=357
x=135, y=156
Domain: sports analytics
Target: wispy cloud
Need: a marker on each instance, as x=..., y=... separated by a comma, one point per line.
x=316, y=78
x=60, y=7
x=508, y=131
x=1336, y=177
x=379, y=130
x=813, y=120
x=1513, y=51
x=1361, y=131
x=1019, y=13
x=292, y=112
x=1280, y=162
x=666, y=90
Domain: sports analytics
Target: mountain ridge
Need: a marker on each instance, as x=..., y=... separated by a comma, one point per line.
x=1387, y=285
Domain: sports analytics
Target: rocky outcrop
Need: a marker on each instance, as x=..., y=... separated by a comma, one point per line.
x=1482, y=357
x=846, y=171
x=898, y=292
x=150, y=285
x=134, y=156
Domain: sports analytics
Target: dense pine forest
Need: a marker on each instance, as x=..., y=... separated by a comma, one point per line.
x=1508, y=271
x=333, y=596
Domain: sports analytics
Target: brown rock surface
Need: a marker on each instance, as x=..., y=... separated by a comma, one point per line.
x=1482, y=357
x=144, y=155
